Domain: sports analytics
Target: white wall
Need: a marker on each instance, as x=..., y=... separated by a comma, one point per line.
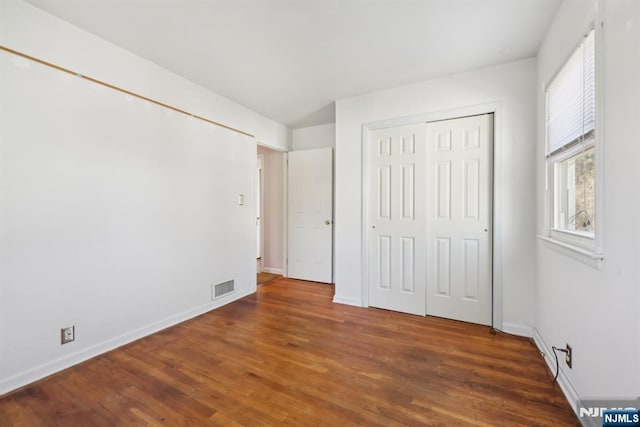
x=30, y=30
x=273, y=214
x=309, y=138
x=596, y=311
x=512, y=86
x=116, y=215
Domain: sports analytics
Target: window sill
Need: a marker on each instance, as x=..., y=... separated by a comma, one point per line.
x=584, y=255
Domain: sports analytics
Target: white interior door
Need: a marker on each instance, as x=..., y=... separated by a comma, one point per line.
x=310, y=215
x=459, y=183
x=396, y=218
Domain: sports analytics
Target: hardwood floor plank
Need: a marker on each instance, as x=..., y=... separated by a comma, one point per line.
x=288, y=356
x=220, y=419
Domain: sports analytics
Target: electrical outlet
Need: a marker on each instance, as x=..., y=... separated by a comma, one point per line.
x=568, y=356
x=67, y=334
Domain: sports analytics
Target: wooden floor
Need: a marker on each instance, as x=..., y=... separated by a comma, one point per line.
x=287, y=355
x=263, y=277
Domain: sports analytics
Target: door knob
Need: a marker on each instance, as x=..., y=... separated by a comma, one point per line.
x=327, y=222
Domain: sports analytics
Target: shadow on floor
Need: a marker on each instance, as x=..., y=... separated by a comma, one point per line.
x=265, y=277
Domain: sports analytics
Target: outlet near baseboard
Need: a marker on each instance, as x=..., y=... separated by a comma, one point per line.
x=568, y=357
x=67, y=334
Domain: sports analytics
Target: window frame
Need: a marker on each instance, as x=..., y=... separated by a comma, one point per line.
x=581, y=238
x=587, y=246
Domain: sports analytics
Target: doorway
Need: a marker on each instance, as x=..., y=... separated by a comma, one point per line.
x=270, y=211
x=429, y=192
x=259, y=209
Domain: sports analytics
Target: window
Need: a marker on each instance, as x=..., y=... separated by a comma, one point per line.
x=571, y=147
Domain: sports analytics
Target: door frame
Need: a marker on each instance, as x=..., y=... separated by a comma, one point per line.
x=260, y=177
x=284, y=202
x=285, y=214
x=494, y=108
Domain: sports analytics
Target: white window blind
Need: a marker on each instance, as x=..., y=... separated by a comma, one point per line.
x=571, y=100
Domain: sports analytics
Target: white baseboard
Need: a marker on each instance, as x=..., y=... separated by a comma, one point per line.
x=273, y=270
x=519, y=330
x=347, y=301
x=570, y=393
x=31, y=375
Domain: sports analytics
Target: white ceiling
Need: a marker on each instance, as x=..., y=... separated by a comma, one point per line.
x=290, y=59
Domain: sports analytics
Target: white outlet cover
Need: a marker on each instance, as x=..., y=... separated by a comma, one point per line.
x=67, y=334
x=241, y=199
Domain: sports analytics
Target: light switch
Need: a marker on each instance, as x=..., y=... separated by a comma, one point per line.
x=241, y=199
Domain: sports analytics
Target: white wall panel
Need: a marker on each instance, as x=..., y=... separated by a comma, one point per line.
x=312, y=137
x=117, y=216
x=575, y=302
x=28, y=29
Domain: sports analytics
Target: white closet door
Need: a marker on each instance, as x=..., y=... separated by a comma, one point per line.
x=459, y=183
x=396, y=218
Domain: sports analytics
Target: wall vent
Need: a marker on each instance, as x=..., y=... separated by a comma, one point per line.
x=222, y=289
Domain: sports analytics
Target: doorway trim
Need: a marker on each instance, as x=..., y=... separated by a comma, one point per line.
x=260, y=218
x=283, y=236
x=494, y=108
